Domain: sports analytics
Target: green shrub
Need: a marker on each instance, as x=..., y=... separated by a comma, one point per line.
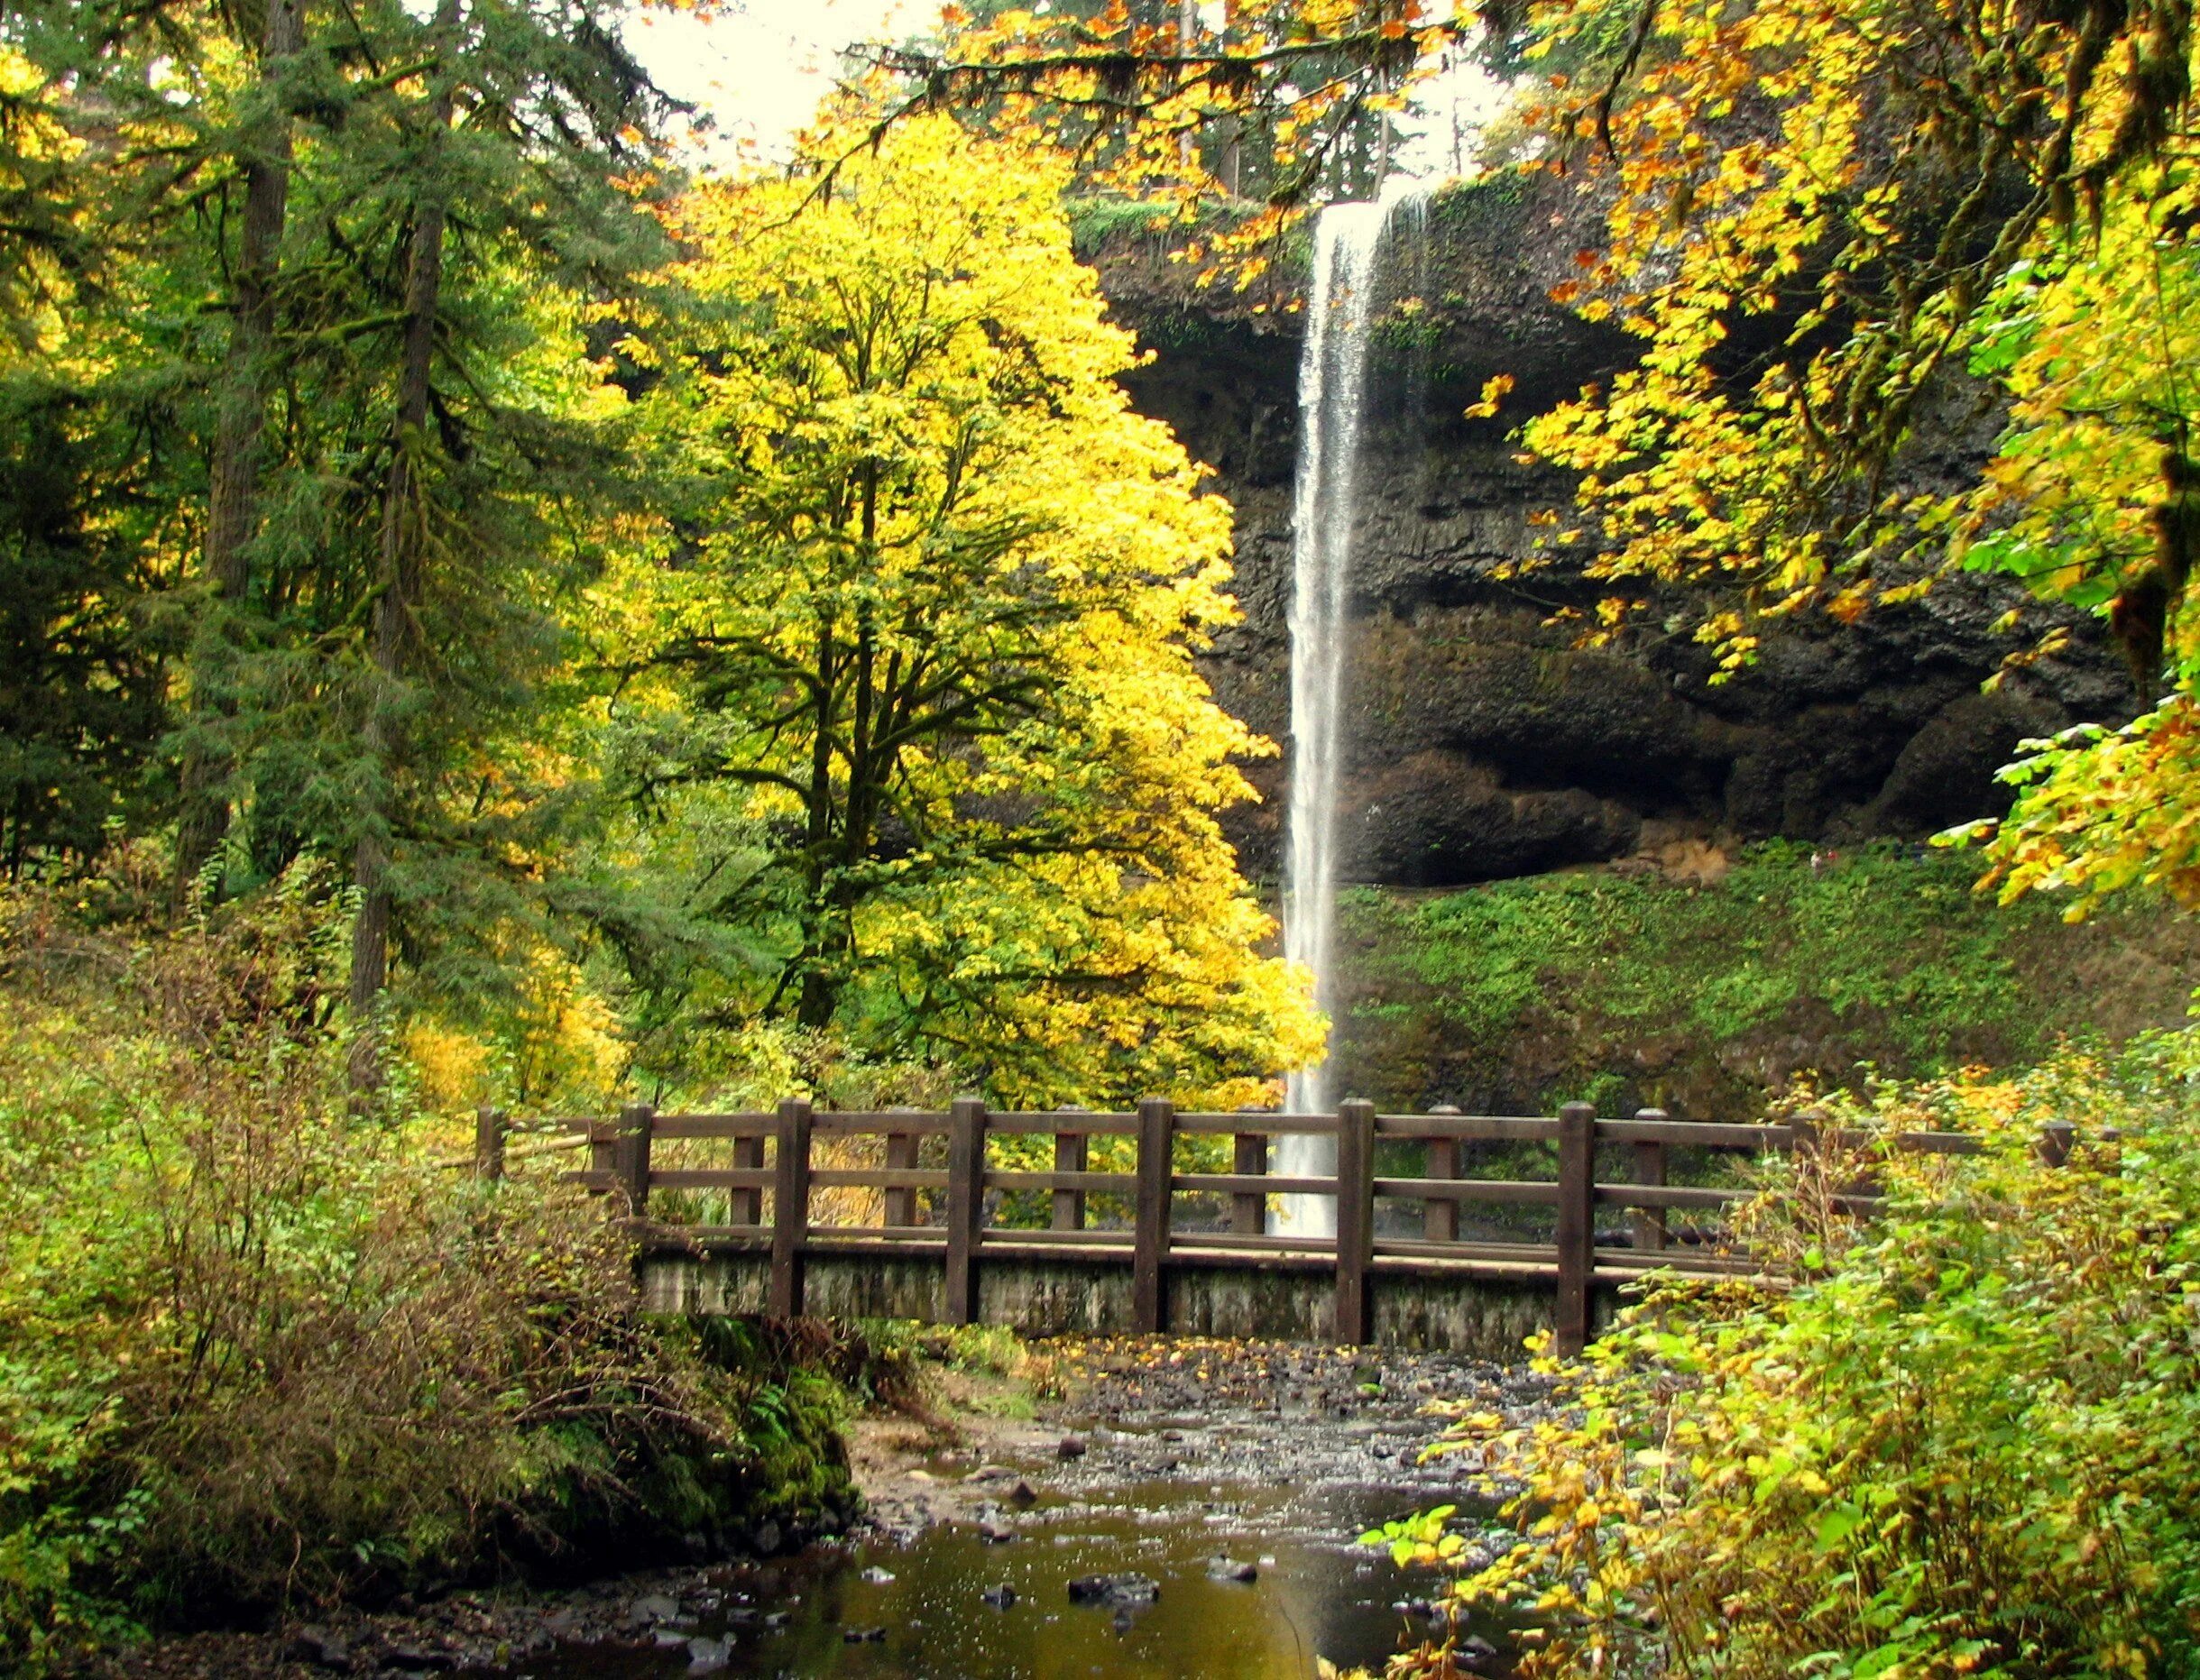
x=1967, y=1440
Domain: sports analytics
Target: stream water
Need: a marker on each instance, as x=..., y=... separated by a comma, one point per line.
x=1313, y=1592
x=1284, y=1481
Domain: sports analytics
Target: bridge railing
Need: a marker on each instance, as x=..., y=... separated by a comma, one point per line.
x=773, y=1167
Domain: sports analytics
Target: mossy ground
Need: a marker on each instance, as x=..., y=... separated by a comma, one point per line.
x=1627, y=986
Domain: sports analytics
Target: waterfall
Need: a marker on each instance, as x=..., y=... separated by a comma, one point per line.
x=1349, y=245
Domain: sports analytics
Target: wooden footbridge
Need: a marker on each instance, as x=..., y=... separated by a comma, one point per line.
x=941, y=1247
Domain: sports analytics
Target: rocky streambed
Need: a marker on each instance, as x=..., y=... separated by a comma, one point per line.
x=1156, y=1507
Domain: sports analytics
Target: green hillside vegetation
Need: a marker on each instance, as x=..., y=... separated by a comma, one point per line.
x=1637, y=988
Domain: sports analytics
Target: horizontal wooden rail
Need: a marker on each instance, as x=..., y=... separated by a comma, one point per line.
x=1266, y=1124
x=1666, y=1196
x=1070, y=1122
x=1250, y=1183
x=710, y=1179
x=712, y=1125
x=1470, y=1128
x=1529, y=1191
x=939, y=1213
x=1100, y=1183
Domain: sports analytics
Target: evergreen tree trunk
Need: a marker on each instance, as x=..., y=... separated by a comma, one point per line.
x=399, y=583
x=233, y=505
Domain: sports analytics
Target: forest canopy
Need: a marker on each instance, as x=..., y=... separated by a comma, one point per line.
x=681, y=607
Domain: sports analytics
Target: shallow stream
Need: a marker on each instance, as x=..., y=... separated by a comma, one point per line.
x=1285, y=1484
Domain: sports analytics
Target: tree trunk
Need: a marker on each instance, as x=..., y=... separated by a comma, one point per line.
x=233, y=504
x=399, y=581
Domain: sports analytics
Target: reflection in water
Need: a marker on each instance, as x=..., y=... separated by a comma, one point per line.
x=1318, y=1594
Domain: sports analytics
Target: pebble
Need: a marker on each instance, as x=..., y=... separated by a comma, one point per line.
x=1000, y=1597
x=1120, y=1590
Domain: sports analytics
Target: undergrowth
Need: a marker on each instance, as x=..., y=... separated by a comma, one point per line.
x=261, y=1346
x=1964, y=1441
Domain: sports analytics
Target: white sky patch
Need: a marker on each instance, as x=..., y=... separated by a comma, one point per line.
x=1440, y=138
x=760, y=67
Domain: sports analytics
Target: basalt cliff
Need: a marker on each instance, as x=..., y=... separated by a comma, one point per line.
x=1482, y=742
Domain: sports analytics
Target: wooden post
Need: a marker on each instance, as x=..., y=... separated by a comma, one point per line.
x=1248, y=1209
x=965, y=1207
x=489, y=1143
x=2056, y=1139
x=1150, y=1240
x=630, y=1157
x=1577, y=1232
x=1439, y=1220
x=790, y=1208
x=1073, y=1149
x=900, y=1152
x=1803, y=1136
x=1650, y=1168
x=1355, y=1219
x=746, y=1207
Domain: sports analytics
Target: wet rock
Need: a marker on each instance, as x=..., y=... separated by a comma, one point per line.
x=1475, y=1652
x=766, y=1538
x=1118, y=1591
x=1023, y=1494
x=863, y=1636
x=991, y=1473
x=320, y=1648
x=652, y=1607
x=772, y=1620
x=1070, y=1447
x=1000, y=1597
x=878, y=1576
x=1230, y=1569
x=412, y=1659
x=708, y=1656
x=995, y=1533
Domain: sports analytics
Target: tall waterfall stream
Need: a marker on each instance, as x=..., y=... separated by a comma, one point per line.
x=1352, y=242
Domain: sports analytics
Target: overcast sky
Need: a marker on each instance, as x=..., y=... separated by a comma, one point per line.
x=759, y=68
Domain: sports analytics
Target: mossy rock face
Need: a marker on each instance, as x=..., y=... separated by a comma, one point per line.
x=1705, y=982
x=678, y=1497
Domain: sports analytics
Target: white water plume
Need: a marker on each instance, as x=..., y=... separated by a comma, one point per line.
x=1348, y=243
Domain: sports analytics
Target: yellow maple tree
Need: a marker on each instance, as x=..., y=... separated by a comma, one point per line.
x=927, y=623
